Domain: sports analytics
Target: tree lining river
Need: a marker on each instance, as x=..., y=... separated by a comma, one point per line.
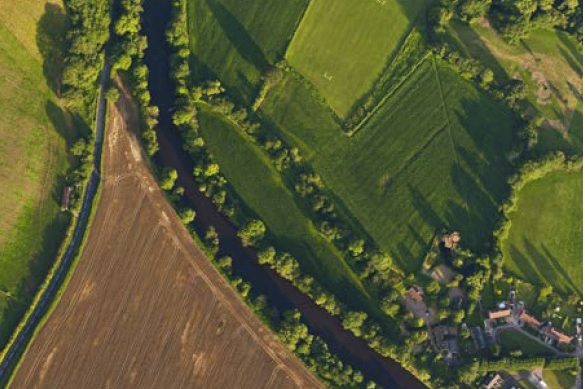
x=279, y=292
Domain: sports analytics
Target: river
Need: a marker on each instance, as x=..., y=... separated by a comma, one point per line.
x=280, y=292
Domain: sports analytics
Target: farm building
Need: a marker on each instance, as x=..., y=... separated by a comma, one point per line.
x=533, y=322
x=557, y=336
x=499, y=314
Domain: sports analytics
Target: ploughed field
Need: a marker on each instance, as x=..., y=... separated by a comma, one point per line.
x=144, y=307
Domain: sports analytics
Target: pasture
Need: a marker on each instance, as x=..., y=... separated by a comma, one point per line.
x=33, y=153
x=261, y=188
x=544, y=245
x=148, y=309
x=433, y=156
x=236, y=41
x=550, y=65
x=342, y=46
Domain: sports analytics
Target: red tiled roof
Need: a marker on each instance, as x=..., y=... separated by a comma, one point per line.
x=499, y=314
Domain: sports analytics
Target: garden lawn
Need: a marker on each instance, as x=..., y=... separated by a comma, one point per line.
x=515, y=340
x=559, y=379
x=33, y=156
x=551, y=58
x=235, y=40
x=544, y=245
x=432, y=157
x=341, y=46
x=261, y=188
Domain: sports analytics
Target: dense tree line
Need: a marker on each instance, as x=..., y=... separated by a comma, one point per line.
x=516, y=364
x=127, y=58
x=515, y=19
x=87, y=35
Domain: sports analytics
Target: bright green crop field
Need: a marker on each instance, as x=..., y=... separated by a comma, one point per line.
x=236, y=41
x=261, y=188
x=33, y=155
x=544, y=245
x=433, y=156
x=343, y=56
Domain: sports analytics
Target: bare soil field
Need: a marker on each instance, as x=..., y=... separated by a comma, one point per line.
x=144, y=307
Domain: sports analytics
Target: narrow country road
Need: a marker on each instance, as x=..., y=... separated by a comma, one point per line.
x=17, y=347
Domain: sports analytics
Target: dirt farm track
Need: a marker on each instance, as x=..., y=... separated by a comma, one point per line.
x=145, y=308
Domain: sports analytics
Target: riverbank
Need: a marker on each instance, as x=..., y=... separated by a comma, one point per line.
x=279, y=291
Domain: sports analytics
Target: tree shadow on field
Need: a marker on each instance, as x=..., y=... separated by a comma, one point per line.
x=14, y=304
x=425, y=209
x=478, y=212
x=576, y=66
x=67, y=124
x=540, y=267
x=555, y=264
x=572, y=49
x=50, y=39
x=238, y=36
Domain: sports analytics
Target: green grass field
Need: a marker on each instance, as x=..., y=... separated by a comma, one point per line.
x=33, y=154
x=544, y=245
x=558, y=379
x=261, y=188
x=550, y=58
x=433, y=156
x=343, y=62
x=236, y=41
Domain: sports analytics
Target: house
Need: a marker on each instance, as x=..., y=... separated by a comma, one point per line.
x=533, y=322
x=497, y=382
x=415, y=293
x=557, y=336
x=452, y=240
x=499, y=314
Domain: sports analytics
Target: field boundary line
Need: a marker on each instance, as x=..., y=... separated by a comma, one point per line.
x=449, y=127
x=391, y=92
x=296, y=28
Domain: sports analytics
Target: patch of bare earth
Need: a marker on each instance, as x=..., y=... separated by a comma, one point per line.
x=145, y=308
